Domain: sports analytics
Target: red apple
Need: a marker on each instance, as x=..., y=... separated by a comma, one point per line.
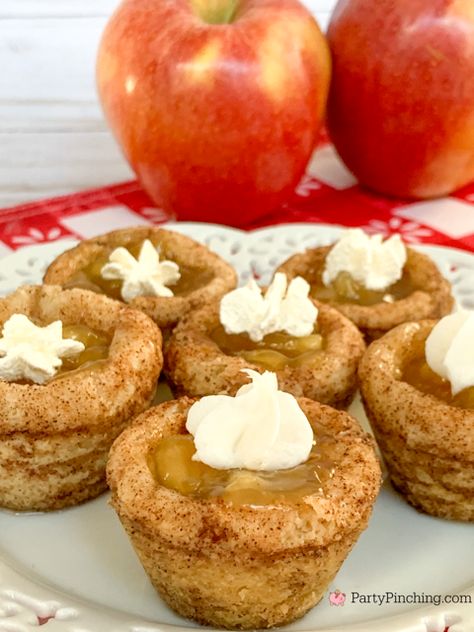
x=215, y=103
x=401, y=105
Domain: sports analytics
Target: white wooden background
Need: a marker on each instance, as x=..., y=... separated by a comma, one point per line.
x=53, y=138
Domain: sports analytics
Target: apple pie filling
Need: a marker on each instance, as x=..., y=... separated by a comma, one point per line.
x=95, y=352
x=90, y=277
x=418, y=373
x=345, y=289
x=172, y=466
x=275, y=352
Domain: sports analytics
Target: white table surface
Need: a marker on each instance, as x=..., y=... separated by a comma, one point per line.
x=53, y=138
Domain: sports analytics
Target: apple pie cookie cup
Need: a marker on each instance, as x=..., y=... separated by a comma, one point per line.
x=195, y=365
x=55, y=437
x=238, y=565
x=431, y=296
x=427, y=443
x=205, y=276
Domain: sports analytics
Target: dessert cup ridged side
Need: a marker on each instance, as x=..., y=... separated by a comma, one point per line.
x=439, y=486
x=427, y=444
x=238, y=589
x=45, y=473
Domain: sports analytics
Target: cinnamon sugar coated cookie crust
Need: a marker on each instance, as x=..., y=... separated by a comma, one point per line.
x=216, y=277
x=196, y=366
x=55, y=437
x=431, y=299
x=242, y=566
x=428, y=444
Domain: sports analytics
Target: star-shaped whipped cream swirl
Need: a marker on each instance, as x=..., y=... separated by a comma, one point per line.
x=145, y=276
x=29, y=352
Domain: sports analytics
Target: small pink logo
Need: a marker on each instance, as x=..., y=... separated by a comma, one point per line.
x=337, y=598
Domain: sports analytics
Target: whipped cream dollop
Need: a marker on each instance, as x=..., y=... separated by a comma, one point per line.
x=29, y=352
x=449, y=350
x=370, y=260
x=145, y=276
x=283, y=307
x=261, y=428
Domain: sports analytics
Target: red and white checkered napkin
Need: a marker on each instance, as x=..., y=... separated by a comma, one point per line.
x=327, y=194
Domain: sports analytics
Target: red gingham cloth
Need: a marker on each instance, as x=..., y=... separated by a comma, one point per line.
x=327, y=194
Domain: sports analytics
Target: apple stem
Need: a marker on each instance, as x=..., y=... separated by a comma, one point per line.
x=215, y=11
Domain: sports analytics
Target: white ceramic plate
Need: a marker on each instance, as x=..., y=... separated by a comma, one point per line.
x=76, y=571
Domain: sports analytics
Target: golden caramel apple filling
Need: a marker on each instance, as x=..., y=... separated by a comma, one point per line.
x=275, y=352
x=345, y=289
x=90, y=278
x=417, y=373
x=96, y=349
x=172, y=466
